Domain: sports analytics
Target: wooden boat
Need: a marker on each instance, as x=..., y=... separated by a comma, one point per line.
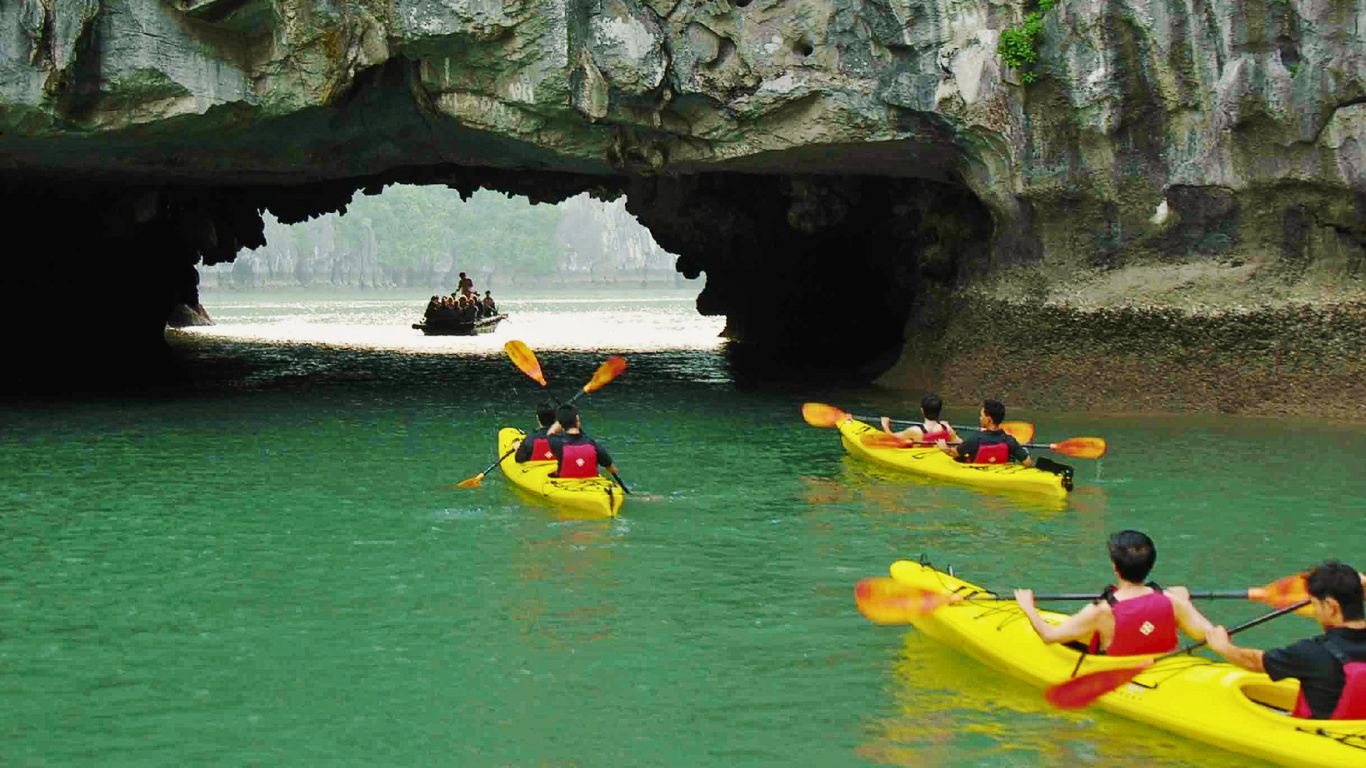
x=442, y=327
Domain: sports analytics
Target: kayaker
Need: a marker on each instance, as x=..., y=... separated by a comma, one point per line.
x=931, y=429
x=536, y=446
x=579, y=455
x=991, y=445
x=1130, y=619
x=1331, y=668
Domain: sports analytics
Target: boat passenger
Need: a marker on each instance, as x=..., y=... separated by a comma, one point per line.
x=1130, y=619
x=991, y=445
x=1331, y=668
x=433, y=307
x=579, y=455
x=466, y=285
x=490, y=308
x=536, y=446
x=931, y=429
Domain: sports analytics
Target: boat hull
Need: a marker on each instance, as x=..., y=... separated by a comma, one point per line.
x=1212, y=702
x=932, y=462
x=446, y=328
x=597, y=496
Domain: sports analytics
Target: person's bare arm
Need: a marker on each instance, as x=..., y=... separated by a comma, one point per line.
x=1250, y=659
x=1079, y=626
x=1190, y=619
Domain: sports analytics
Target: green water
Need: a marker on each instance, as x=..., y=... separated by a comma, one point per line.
x=268, y=569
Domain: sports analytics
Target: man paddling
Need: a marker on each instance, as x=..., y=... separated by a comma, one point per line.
x=992, y=445
x=1331, y=668
x=1129, y=619
x=931, y=429
x=536, y=446
x=579, y=455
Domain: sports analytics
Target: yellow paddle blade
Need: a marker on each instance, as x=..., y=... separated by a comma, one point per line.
x=525, y=360
x=822, y=415
x=1020, y=430
x=605, y=373
x=884, y=440
x=473, y=482
x=1081, y=447
x=884, y=600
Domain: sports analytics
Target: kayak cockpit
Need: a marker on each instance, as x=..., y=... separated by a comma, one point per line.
x=1270, y=695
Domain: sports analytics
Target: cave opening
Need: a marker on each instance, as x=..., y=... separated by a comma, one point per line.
x=816, y=273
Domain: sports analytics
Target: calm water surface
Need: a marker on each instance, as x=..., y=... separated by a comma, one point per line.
x=271, y=570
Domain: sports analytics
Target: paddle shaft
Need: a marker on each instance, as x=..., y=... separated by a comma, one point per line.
x=1245, y=625
x=1209, y=594
x=875, y=419
x=495, y=464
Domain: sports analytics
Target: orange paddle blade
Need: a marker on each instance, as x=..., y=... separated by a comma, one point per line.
x=884, y=600
x=525, y=360
x=1081, y=691
x=473, y=482
x=1081, y=447
x=822, y=415
x=605, y=373
x=884, y=440
x=1020, y=430
x=1283, y=592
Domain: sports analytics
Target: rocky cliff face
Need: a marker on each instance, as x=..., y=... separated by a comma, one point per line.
x=1213, y=149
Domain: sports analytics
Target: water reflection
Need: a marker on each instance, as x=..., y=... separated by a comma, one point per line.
x=909, y=493
x=948, y=710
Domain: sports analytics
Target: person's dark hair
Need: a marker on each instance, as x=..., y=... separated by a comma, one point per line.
x=1133, y=554
x=931, y=405
x=545, y=413
x=566, y=414
x=995, y=409
x=462, y=274
x=1340, y=582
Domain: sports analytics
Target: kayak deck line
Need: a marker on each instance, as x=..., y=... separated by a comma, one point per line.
x=1206, y=700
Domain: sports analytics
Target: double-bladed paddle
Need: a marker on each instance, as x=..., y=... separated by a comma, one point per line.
x=1080, y=691
x=823, y=415
x=1076, y=447
x=526, y=361
x=884, y=600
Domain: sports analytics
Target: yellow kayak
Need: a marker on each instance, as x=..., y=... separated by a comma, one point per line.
x=933, y=462
x=1213, y=702
x=597, y=495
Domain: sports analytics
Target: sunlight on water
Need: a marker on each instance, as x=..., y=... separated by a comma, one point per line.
x=657, y=320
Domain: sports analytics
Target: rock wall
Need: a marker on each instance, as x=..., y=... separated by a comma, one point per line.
x=829, y=142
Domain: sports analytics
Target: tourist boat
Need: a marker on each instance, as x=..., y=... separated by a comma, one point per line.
x=444, y=327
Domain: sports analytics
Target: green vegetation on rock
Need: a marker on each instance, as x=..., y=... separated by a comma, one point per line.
x=1019, y=45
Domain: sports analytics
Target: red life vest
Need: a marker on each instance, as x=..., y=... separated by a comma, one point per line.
x=540, y=450
x=995, y=453
x=943, y=433
x=578, y=461
x=1143, y=625
x=1352, y=702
